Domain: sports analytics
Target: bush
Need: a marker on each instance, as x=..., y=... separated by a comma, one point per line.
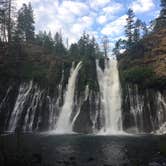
x=139, y=75
x=145, y=77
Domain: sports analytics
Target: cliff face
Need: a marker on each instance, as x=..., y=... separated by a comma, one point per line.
x=33, y=87
x=143, y=79
x=150, y=52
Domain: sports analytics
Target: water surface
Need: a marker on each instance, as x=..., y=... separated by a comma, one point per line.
x=82, y=150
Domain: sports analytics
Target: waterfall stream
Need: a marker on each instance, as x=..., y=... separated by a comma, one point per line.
x=110, y=97
x=24, y=92
x=64, y=124
x=29, y=107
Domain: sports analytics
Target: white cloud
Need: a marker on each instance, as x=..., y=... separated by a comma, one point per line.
x=115, y=28
x=109, y=12
x=113, y=8
x=20, y=2
x=73, y=17
x=101, y=19
x=140, y=6
x=75, y=8
x=98, y=3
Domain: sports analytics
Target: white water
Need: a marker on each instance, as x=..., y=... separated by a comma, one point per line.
x=24, y=92
x=54, y=105
x=30, y=114
x=64, y=124
x=110, y=97
x=136, y=107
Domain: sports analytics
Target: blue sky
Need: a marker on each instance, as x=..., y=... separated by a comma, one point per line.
x=97, y=17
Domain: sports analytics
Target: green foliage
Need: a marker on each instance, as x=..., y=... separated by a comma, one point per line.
x=163, y=4
x=139, y=75
x=136, y=35
x=74, y=50
x=25, y=24
x=129, y=27
x=143, y=76
x=87, y=46
x=88, y=76
x=35, y=72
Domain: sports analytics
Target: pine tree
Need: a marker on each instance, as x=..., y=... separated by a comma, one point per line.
x=74, y=50
x=59, y=48
x=6, y=13
x=25, y=23
x=160, y=22
x=163, y=4
x=136, y=35
x=129, y=28
x=105, y=43
x=145, y=29
x=29, y=23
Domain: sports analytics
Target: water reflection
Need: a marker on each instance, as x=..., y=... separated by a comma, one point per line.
x=81, y=150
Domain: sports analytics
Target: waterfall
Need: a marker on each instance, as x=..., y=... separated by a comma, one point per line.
x=148, y=110
x=23, y=94
x=136, y=107
x=110, y=94
x=64, y=124
x=30, y=113
x=54, y=107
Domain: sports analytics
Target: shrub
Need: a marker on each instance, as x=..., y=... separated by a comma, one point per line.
x=139, y=75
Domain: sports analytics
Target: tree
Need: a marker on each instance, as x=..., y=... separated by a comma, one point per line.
x=83, y=43
x=129, y=28
x=145, y=29
x=59, y=48
x=9, y=21
x=137, y=28
x=74, y=50
x=25, y=23
x=119, y=46
x=88, y=46
x=6, y=13
x=163, y=4
x=105, y=43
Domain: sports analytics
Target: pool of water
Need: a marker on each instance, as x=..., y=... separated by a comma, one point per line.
x=80, y=150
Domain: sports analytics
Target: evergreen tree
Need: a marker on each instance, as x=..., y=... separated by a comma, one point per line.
x=74, y=50
x=145, y=29
x=137, y=28
x=129, y=28
x=163, y=4
x=83, y=43
x=25, y=23
x=59, y=48
x=105, y=43
x=30, y=29
x=119, y=46
x=6, y=20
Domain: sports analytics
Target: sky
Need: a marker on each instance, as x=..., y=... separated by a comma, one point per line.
x=96, y=17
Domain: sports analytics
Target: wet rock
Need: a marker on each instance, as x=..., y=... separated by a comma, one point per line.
x=90, y=159
x=72, y=158
x=37, y=158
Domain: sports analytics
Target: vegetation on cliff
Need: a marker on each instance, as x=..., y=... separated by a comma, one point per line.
x=43, y=57
x=144, y=60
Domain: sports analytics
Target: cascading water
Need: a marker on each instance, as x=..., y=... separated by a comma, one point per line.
x=24, y=92
x=30, y=114
x=147, y=110
x=110, y=97
x=136, y=107
x=54, y=105
x=28, y=107
x=64, y=124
